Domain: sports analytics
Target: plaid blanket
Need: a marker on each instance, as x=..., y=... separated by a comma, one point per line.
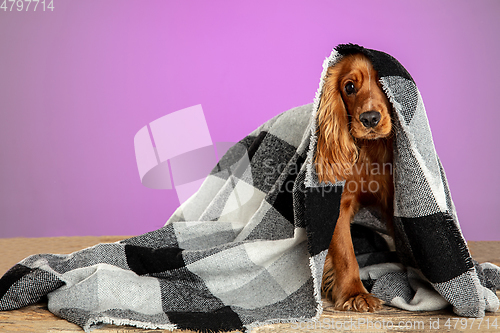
x=248, y=248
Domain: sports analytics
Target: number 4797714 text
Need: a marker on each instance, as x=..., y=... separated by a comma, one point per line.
x=27, y=5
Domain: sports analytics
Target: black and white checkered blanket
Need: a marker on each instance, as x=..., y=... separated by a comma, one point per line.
x=248, y=248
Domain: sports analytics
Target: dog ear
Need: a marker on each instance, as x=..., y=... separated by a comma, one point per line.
x=336, y=151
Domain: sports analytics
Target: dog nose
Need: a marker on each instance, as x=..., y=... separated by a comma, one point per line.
x=370, y=118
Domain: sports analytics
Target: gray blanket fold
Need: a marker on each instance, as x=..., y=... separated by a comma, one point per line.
x=248, y=248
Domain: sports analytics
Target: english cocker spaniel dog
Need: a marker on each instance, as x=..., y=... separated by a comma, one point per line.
x=354, y=145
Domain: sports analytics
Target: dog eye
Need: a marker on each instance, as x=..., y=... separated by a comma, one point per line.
x=350, y=88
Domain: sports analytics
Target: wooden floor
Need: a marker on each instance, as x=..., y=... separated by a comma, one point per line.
x=37, y=318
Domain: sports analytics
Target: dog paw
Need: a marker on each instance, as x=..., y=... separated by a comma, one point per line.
x=361, y=303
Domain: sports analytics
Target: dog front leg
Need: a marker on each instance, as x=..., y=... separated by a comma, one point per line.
x=341, y=281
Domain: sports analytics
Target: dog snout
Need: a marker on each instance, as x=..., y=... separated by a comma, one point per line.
x=370, y=119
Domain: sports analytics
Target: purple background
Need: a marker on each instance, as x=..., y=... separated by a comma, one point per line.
x=76, y=84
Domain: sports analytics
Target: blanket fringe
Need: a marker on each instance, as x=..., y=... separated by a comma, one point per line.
x=96, y=323
x=256, y=325
x=459, y=237
x=317, y=288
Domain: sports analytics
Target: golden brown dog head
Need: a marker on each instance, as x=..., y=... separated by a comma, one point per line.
x=352, y=108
